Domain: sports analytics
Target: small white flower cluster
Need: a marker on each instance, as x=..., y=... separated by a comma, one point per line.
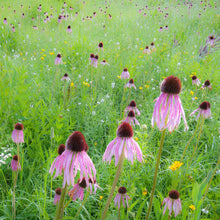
x=6, y=153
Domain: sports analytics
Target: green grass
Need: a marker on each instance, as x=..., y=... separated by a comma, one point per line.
x=27, y=84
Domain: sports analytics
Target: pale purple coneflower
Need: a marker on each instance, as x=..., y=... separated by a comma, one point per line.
x=207, y=84
x=76, y=158
x=211, y=40
x=64, y=4
x=95, y=63
x=104, y=62
x=100, y=46
x=123, y=140
x=166, y=27
x=22, y=15
x=92, y=58
x=94, y=184
x=131, y=119
x=161, y=29
x=76, y=14
x=152, y=45
x=168, y=107
x=195, y=80
x=172, y=203
x=204, y=110
x=15, y=164
x=5, y=21
x=59, y=19
x=65, y=77
x=132, y=106
x=17, y=133
x=58, y=59
x=57, y=196
x=78, y=190
x=130, y=84
x=125, y=74
x=121, y=197
x=58, y=162
x=94, y=14
x=147, y=50
x=69, y=29
x=13, y=28
x=35, y=27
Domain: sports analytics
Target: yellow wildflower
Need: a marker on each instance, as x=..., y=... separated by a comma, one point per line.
x=100, y=197
x=95, y=143
x=196, y=97
x=192, y=207
x=164, y=77
x=176, y=165
x=147, y=86
x=119, y=77
x=24, y=58
x=141, y=48
x=65, y=42
x=72, y=84
x=144, y=192
x=191, y=92
x=51, y=53
x=140, y=56
x=140, y=87
x=64, y=62
x=21, y=53
x=34, y=53
x=42, y=58
x=44, y=55
x=43, y=50
x=136, y=138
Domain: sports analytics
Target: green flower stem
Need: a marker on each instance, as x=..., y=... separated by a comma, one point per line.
x=60, y=207
x=117, y=175
x=15, y=176
x=206, y=191
x=155, y=173
x=119, y=211
x=87, y=195
x=184, y=152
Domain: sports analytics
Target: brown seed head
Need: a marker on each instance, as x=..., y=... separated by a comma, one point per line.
x=76, y=142
x=207, y=83
x=100, y=44
x=124, y=130
x=125, y=69
x=59, y=55
x=131, y=81
x=122, y=190
x=171, y=85
x=96, y=57
x=19, y=126
x=65, y=75
x=58, y=191
x=82, y=183
x=61, y=149
x=204, y=105
x=131, y=114
x=92, y=55
x=194, y=77
x=132, y=104
x=15, y=157
x=173, y=194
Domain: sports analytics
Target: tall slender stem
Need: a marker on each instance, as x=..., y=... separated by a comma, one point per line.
x=117, y=175
x=87, y=195
x=200, y=132
x=184, y=152
x=155, y=173
x=15, y=175
x=60, y=208
x=119, y=211
x=207, y=189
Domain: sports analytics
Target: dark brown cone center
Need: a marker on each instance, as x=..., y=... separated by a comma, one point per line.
x=131, y=114
x=76, y=142
x=207, y=83
x=19, y=126
x=61, y=149
x=132, y=103
x=58, y=191
x=194, y=77
x=15, y=157
x=171, y=85
x=122, y=190
x=124, y=130
x=131, y=81
x=82, y=183
x=173, y=194
x=204, y=105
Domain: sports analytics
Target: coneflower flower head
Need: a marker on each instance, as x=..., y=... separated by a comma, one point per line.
x=121, y=196
x=172, y=203
x=123, y=140
x=131, y=118
x=207, y=84
x=58, y=162
x=204, y=110
x=15, y=164
x=58, y=59
x=100, y=46
x=195, y=80
x=75, y=157
x=147, y=50
x=17, y=133
x=125, y=74
x=93, y=183
x=69, y=29
x=78, y=190
x=130, y=84
x=132, y=106
x=65, y=77
x=57, y=196
x=168, y=107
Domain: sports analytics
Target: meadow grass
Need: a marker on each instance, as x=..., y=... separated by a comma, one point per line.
x=31, y=92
